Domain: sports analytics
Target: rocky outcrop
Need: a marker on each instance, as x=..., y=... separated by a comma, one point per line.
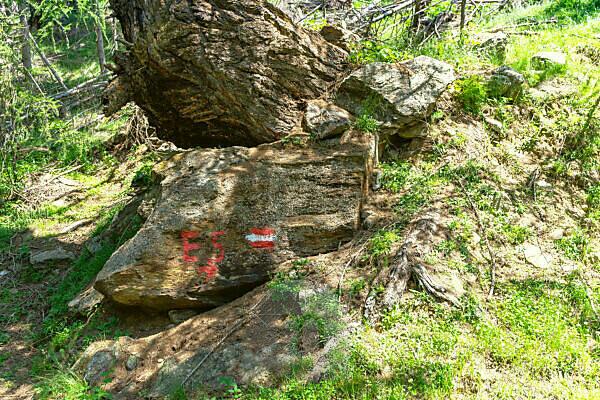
x=224, y=219
x=399, y=96
x=219, y=73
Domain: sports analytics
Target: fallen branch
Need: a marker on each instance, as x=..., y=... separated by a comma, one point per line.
x=408, y=263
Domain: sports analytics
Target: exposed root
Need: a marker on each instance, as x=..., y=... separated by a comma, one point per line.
x=424, y=233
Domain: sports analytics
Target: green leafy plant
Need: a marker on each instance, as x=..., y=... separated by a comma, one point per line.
x=472, y=93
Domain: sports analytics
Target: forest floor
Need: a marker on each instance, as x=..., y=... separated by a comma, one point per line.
x=523, y=203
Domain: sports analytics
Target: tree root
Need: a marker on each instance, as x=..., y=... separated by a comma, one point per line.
x=392, y=281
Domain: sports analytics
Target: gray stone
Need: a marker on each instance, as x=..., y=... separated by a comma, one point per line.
x=557, y=234
x=536, y=257
x=85, y=301
x=99, y=365
x=131, y=363
x=226, y=218
x=493, y=44
x=323, y=120
x=339, y=36
x=494, y=124
x=546, y=59
x=398, y=96
x=58, y=254
x=505, y=82
x=179, y=316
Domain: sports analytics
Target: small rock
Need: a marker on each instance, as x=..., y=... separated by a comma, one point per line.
x=98, y=366
x=85, y=301
x=568, y=268
x=557, y=234
x=545, y=59
x=57, y=254
x=505, y=82
x=494, y=44
x=324, y=120
x=534, y=256
x=398, y=96
x=339, y=36
x=494, y=124
x=543, y=185
x=475, y=238
x=4, y=273
x=131, y=363
x=93, y=245
x=179, y=316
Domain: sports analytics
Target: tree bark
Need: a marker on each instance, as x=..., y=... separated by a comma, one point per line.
x=26, y=47
x=219, y=72
x=100, y=38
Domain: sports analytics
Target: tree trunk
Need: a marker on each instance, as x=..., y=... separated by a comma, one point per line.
x=100, y=38
x=219, y=72
x=26, y=47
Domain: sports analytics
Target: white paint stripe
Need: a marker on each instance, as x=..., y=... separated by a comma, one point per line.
x=260, y=238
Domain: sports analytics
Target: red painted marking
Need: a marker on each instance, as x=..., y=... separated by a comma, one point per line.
x=261, y=238
x=262, y=231
x=210, y=270
x=187, y=246
x=262, y=245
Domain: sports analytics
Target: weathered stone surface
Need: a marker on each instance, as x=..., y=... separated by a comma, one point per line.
x=493, y=44
x=397, y=95
x=506, y=82
x=247, y=340
x=545, y=59
x=323, y=120
x=58, y=254
x=536, y=257
x=86, y=301
x=218, y=73
x=339, y=36
x=179, y=316
x=225, y=218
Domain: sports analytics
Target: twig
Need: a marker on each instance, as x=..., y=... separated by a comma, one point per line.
x=239, y=324
x=47, y=62
x=484, y=238
x=314, y=10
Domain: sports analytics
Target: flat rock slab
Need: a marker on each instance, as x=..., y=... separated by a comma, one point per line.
x=57, y=254
x=398, y=96
x=224, y=219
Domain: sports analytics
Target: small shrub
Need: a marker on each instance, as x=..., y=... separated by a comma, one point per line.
x=472, y=93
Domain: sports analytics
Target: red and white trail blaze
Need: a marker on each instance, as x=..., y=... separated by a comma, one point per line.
x=261, y=238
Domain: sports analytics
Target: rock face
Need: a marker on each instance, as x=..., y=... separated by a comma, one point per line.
x=323, y=120
x=399, y=96
x=506, y=82
x=225, y=218
x=219, y=72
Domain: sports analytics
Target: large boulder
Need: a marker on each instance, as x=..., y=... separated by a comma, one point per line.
x=399, y=96
x=225, y=218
